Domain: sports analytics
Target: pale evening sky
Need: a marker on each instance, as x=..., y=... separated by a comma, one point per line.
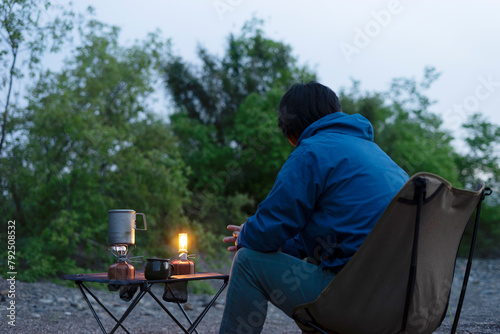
x=370, y=41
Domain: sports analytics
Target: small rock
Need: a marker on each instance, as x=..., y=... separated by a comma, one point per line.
x=61, y=299
x=188, y=306
x=35, y=315
x=148, y=312
x=67, y=313
x=4, y=292
x=46, y=301
x=474, y=280
x=487, y=292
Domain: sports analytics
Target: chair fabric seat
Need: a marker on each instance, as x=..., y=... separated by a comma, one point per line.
x=368, y=295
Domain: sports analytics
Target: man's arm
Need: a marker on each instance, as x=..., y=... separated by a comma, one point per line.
x=288, y=207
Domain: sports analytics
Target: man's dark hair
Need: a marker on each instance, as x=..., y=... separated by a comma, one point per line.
x=303, y=104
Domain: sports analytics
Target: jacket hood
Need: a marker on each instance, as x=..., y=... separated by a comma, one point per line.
x=339, y=122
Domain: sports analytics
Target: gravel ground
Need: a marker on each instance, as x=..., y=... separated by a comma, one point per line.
x=50, y=308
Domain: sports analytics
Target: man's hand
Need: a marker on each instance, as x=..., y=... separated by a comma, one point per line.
x=232, y=239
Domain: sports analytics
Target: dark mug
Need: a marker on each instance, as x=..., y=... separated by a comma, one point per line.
x=157, y=269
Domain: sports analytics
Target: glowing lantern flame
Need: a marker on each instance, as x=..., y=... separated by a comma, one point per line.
x=183, y=242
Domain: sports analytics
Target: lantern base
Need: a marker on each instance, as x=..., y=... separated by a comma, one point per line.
x=183, y=267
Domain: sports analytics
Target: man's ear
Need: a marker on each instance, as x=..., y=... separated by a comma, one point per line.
x=293, y=140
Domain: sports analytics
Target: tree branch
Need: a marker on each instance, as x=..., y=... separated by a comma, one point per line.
x=9, y=93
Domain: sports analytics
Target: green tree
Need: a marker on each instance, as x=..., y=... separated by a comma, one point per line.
x=225, y=117
x=480, y=160
x=90, y=144
x=27, y=32
x=404, y=126
x=481, y=155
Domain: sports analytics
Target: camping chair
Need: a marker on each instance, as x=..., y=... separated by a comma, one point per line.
x=399, y=280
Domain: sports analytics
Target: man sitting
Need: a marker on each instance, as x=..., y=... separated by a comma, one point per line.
x=326, y=199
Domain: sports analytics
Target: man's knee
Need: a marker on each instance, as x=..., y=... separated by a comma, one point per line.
x=249, y=261
x=245, y=254
x=243, y=257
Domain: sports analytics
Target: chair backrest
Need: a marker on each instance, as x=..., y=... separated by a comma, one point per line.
x=368, y=295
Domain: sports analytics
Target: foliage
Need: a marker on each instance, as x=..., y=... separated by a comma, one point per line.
x=201, y=287
x=27, y=33
x=84, y=140
x=26, y=27
x=481, y=161
x=225, y=115
x=404, y=126
x=481, y=157
x=89, y=144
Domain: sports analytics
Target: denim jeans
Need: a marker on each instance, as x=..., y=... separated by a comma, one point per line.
x=257, y=278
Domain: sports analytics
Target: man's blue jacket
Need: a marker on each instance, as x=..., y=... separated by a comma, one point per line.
x=328, y=195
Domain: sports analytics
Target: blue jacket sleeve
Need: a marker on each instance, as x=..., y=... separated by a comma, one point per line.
x=288, y=207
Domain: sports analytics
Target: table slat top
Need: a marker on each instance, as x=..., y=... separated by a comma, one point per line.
x=140, y=279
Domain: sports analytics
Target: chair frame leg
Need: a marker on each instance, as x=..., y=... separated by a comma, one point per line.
x=420, y=192
x=486, y=192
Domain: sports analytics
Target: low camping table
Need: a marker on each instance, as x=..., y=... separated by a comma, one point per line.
x=145, y=287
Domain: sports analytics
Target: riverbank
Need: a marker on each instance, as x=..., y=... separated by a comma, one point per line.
x=45, y=307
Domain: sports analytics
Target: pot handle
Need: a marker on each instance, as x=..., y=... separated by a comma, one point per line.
x=171, y=269
x=143, y=219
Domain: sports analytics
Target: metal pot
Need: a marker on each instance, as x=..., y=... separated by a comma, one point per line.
x=122, y=226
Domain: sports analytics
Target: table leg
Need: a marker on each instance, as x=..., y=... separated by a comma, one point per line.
x=90, y=306
x=187, y=317
x=168, y=312
x=200, y=317
x=104, y=307
x=130, y=308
